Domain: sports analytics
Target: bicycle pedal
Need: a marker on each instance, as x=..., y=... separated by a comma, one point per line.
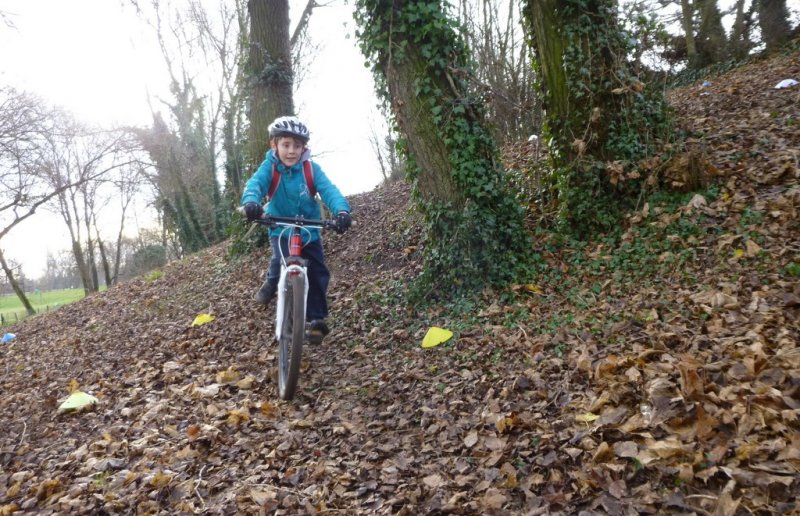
x=314, y=337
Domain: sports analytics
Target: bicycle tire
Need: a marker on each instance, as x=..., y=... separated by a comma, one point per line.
x=290, y=350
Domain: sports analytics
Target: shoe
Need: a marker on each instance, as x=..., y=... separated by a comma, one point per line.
x=316, y=331
x=266, y=293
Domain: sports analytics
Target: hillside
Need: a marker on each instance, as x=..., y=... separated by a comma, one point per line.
x=655, y=374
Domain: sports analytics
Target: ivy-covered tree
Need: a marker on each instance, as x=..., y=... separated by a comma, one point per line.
x=475, y=233
x=601, y=122
x=186, y=194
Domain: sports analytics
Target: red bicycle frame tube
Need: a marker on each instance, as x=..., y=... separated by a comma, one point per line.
x=295, y=244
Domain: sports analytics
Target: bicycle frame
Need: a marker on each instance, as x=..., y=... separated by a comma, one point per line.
x=290, y=312
x=292, y=265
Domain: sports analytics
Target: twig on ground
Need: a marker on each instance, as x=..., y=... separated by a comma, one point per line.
x=22, y=437
x=197, y=485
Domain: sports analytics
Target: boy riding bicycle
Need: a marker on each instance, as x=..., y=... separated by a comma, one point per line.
x=289, y=178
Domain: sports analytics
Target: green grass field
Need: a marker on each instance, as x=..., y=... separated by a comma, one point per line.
x=12, y=310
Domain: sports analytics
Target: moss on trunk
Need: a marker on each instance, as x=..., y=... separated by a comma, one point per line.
x=421, y=65
x=600, y=119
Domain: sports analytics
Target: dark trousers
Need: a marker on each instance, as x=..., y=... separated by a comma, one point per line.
x=318, y=275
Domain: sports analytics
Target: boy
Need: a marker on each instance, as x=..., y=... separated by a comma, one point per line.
x=288, y=139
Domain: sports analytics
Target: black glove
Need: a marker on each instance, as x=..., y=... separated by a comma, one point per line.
x=253, y=210
x=343, y=221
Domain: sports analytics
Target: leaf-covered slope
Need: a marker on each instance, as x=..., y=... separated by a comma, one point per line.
x=656, y=374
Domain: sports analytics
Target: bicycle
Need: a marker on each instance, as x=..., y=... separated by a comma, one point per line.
x=290, y=312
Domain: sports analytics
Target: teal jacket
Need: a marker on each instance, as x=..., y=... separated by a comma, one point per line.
x=292, y=197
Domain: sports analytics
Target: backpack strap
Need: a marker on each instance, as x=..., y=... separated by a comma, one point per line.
x=308, y=171
x=276, y=178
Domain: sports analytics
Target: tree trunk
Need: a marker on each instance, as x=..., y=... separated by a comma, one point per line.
x=19, y=291
x=711, y=39
x=234, y=182
x=773, y=17
x=550, y=47
x=69, y=212
x=104, y=259
x=414, y=116
x=740, y=32
x=91, y=259
x=687, y=21
x=600, y=119
x=117, y=261
x=270, y=70
x=82, y=266
x=233, y=155
x=422, y=67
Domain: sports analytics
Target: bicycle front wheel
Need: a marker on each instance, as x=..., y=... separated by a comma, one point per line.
x=290, y=347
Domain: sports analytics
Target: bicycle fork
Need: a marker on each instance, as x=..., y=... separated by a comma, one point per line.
x=291, y=266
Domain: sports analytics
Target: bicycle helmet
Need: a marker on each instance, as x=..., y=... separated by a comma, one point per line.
x=289, y=126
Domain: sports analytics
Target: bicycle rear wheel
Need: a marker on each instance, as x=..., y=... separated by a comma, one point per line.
x=290, y=347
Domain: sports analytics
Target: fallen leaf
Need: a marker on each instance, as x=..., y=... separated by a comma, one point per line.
x=603, y=453
x=494, y=443
x=262, y=496
x=494, y=499
x=726, y=505
x=230, y=375
x=586, y=418
x=433, y=481
x=626, y=449
x=471, y=439
x=73, y=385
x=207, y=391
x=530, y=287
x=192, y=431
x=697, y=202
x=752, y=249
x=237, y=417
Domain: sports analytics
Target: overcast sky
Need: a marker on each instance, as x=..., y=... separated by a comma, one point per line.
x=99, y=61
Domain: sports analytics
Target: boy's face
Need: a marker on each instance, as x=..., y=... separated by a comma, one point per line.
x=289, y=149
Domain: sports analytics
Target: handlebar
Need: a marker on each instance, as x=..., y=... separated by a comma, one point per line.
x=299, y=220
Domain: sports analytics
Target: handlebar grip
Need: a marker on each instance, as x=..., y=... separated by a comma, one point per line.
x=240, y=211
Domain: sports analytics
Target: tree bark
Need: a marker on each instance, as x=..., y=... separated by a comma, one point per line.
x=422, y=67
x=15, y=285
x=687, y=21
x=740, y=32
x=435, y=182
x=773, y=17
x=270, y=70
x=104, y=257
x=711, y=39
x=600, y=118
x=91, y=259
x=550, y=47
